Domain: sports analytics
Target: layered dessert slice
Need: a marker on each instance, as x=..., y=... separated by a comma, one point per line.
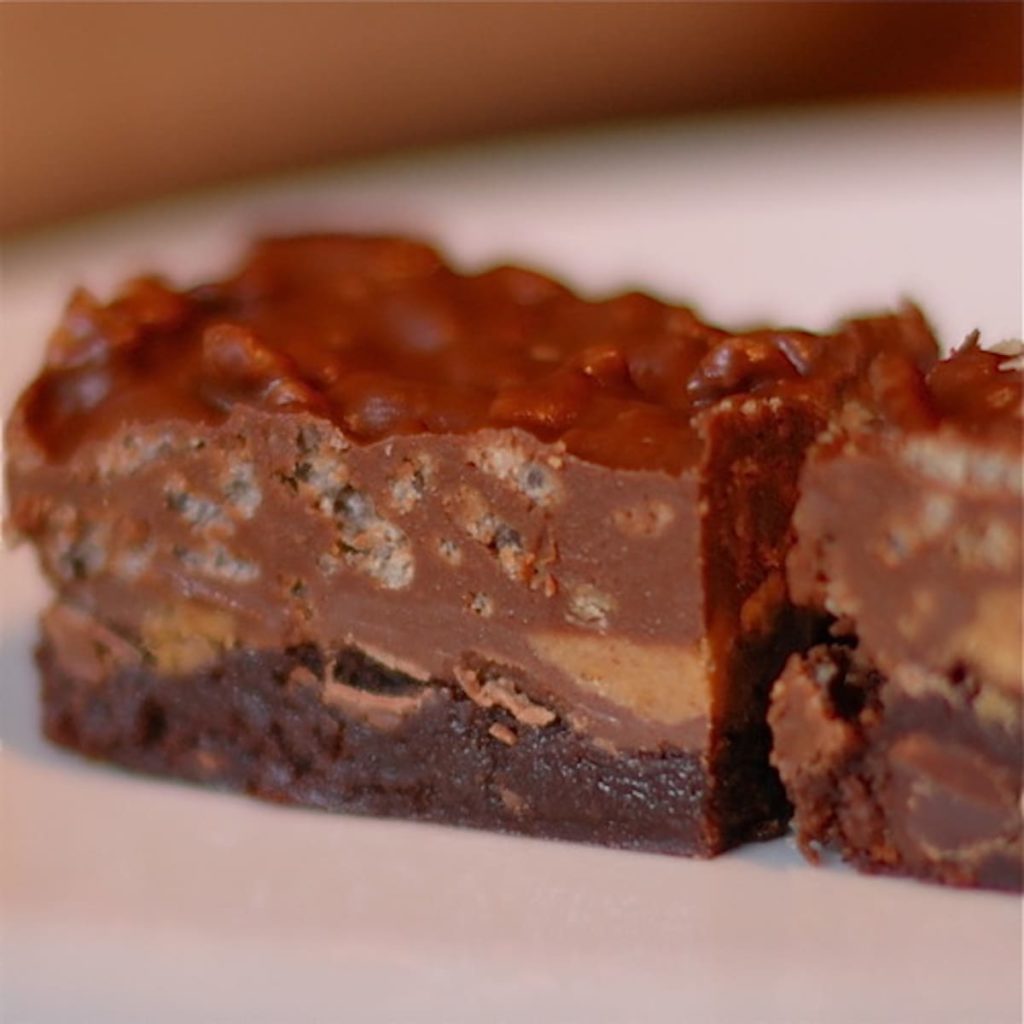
x=900, y=741
x=352, y=530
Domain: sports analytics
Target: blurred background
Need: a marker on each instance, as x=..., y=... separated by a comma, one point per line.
x=103, y=105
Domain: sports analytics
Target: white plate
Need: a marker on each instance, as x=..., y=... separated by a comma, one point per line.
x=126, y=899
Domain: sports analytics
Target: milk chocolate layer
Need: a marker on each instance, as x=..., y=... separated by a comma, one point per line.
x=437, y=554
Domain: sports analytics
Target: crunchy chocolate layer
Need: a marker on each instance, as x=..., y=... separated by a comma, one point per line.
x=342, y=732
x=436, y=553
x=380, y=337
x=628, y=602
x=921, y=786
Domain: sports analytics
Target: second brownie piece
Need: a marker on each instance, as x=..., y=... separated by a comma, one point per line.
x=353, y=530
x=900, y=741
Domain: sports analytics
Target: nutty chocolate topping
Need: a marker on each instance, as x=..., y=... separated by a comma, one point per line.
x=380, y=337
x=979, y=392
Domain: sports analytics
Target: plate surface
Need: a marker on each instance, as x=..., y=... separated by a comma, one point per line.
x=125, y=899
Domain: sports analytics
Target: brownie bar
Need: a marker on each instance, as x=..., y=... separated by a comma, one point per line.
x=903, y=747
x=567, y=521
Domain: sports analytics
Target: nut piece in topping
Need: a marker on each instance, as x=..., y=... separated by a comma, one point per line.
x=588, y=606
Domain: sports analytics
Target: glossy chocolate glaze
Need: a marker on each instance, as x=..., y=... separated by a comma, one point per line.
x=382, y=338
x=979, y=393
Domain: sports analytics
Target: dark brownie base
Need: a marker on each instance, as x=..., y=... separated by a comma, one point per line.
x=243, y=724
x=898, y=785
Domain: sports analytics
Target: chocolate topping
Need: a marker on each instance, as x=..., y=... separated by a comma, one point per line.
x=382, y=338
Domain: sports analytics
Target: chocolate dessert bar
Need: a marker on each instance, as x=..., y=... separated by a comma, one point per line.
x=352, y=530
x=899, y=740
